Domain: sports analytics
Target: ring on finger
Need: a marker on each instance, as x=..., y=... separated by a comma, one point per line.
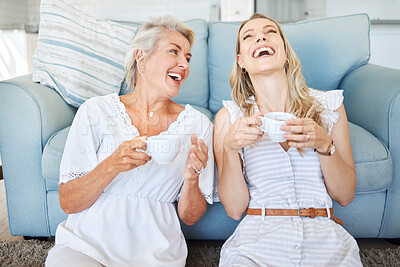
x=199, y=171
x=308, y=137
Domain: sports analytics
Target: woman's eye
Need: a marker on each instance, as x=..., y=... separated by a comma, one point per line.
x=173, y=51
x=271, y=31
x=246, y=36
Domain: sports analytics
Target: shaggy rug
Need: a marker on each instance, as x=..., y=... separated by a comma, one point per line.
x=33, y=253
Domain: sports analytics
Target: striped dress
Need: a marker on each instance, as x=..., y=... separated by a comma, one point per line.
x=286, y=180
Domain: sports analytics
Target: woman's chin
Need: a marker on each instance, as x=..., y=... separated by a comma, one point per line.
x=172, y=93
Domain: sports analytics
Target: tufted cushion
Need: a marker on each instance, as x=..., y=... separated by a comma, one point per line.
x=342, y=44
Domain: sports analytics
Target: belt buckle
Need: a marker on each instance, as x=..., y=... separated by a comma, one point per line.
x=312, y=212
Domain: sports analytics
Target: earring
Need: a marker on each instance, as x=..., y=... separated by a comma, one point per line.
x=286, y=64
x=244, y=71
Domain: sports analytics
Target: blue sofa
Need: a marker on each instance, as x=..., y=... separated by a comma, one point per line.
x=334, y=52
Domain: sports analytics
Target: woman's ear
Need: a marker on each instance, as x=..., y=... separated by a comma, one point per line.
x=239, y=60
x=139, y=56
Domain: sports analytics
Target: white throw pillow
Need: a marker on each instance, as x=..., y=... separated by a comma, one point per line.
x=79, y=55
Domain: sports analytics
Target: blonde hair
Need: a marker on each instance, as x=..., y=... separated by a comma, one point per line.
x=299, y=102
x=147, y=38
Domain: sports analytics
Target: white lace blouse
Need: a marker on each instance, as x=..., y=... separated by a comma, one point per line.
x=134, y=221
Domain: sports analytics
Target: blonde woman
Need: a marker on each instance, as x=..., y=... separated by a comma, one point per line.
x=285, y=189
x=119, y=200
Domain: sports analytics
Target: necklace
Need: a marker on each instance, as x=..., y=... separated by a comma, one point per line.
x=149, y=113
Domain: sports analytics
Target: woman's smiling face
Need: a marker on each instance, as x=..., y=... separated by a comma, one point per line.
x=167, y=66
x=261, y=47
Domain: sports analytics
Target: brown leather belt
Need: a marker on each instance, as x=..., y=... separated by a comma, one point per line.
x=310, y=212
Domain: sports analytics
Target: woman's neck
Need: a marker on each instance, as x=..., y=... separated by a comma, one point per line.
x=271, y=92
x=146, y=102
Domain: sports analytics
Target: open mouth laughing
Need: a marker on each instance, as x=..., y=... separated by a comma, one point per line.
x=175, y=76
x=263, y=51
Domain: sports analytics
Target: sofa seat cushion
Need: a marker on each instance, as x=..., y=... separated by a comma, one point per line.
x=51, y=158
x=372, y=160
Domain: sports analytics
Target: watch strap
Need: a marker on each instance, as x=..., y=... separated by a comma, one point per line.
x=328, y=152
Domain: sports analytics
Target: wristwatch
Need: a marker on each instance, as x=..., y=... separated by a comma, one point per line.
x=330, y=151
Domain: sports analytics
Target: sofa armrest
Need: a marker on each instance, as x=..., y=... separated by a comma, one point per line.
x=371, y=97
x=29, y=114
x=372, y=101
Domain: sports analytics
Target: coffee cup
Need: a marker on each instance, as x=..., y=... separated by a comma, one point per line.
x=162, y=148
x=272, y=122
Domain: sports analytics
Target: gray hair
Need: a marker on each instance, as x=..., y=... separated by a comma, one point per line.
x=147, y=38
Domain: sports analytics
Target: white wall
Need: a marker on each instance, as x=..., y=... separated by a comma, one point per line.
x=382, y=9
x=385, y=45
x=140, y=10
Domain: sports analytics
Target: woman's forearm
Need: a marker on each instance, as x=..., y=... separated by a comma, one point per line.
x=340, y=178
x=232, y=188
x=191, y=204
x=79, y=194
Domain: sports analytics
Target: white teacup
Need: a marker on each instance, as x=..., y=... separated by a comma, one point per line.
x=162, y=148
x=272, y=122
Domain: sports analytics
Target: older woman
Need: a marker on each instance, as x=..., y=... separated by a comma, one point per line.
x=119, y=200
x=285, y=188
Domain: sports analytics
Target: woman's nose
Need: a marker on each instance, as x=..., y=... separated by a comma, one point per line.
x=183, y=63
x=261, y=38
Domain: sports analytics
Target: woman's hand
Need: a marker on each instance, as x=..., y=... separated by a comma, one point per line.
x=306, y=133
x=127, y=157
x=243, y=132
x=197, y=159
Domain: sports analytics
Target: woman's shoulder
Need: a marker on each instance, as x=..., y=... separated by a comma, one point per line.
x=233, y=110
x=330, y=100
x=101, y=103
x=230, y=105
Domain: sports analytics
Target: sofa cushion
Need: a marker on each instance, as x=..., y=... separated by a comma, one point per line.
x=51, y=158
x=371, y=156
x=194, y=90
x=341, y=45
x=79, y=55
x=372, y=160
